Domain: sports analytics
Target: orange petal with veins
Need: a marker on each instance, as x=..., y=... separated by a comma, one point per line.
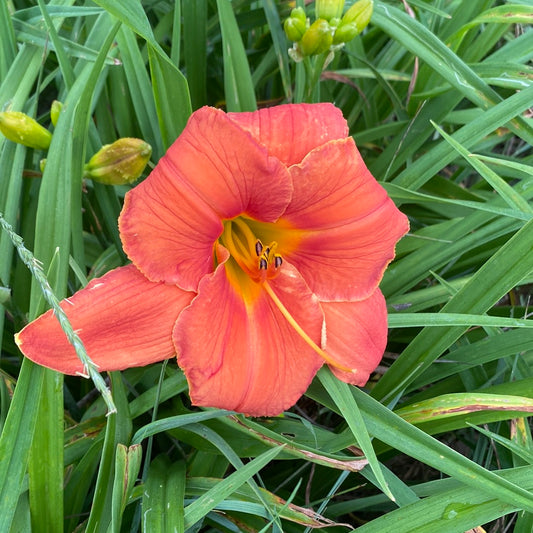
x=291, y=131
x=343, y=223
x=123, y=320
x=356, y=336
x=240, y=353
x=214, y=171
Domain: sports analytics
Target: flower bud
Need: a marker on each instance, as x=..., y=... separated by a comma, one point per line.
x=120, y=162
x=295, y=25
x=328, y=9
x=20, y=128
x=345, y=33
x=317, y=39
x=55, y=109
x=359, y=14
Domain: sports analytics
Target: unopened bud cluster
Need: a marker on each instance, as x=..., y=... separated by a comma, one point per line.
x=119, y=163
x=330, y=29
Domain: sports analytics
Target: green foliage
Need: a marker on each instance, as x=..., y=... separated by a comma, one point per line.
x=437, y=101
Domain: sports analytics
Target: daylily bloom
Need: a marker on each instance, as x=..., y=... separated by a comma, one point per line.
x=257, y=246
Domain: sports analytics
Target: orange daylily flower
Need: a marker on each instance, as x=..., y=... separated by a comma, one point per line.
x=257, y=246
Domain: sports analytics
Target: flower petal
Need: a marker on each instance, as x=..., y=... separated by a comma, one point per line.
x=251, y=360
x=291, y=131
x=213, y=171
x=123, y=320
x=356, y=336
x=344, y=224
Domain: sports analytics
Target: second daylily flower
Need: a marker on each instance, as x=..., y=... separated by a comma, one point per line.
x=257, y=246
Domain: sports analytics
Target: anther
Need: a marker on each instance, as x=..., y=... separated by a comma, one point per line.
x=263, y=264
x=258, y=248
x=277, y=261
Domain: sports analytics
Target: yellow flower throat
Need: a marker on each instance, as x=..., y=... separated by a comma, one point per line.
x=258, y=261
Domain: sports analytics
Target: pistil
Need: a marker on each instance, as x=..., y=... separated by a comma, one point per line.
x=290, y=319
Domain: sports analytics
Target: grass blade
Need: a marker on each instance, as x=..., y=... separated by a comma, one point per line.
x=209, y=500
x=238, y=85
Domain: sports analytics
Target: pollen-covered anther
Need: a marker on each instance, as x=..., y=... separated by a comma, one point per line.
x=269, y=261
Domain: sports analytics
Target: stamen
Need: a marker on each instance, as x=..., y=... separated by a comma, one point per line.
x=285, y=312
x=256, y=260
x=235, y=247
x=247, y=232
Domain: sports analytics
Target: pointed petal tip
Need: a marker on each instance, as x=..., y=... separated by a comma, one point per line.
x=118, y=328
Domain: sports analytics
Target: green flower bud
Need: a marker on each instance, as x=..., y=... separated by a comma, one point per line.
x=298, y=13
x=20, y=128
x=296, y=24
x=359, y=14
x=328, y=9
x=120, y=162
x=55, y=109
x=345, y=33
x=317, y=39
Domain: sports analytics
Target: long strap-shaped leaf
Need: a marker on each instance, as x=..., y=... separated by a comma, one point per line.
x=503, y=271
x=424, y=44
x=238, y=86
x=388, y=427
x=209, y=500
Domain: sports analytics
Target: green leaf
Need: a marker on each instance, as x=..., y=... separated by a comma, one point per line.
x=210, y=499
x=409, y=320
x=450, y=405
x=171, y=95
x=163, y=497
x=127, y=465
x=16, y=438
x=429, y=164
x=118, y=430
x=511, y=197
x=8, y=43
x=175, y=421
x=459, y=509
x=341, y=395
x=140, y=90
x=399, y=434
x=280, y=45
x=195, y=49
x=238, y=85
x=131, y=14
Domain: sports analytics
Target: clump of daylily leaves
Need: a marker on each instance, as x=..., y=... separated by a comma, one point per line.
x=330, y=30
x=121, y=162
